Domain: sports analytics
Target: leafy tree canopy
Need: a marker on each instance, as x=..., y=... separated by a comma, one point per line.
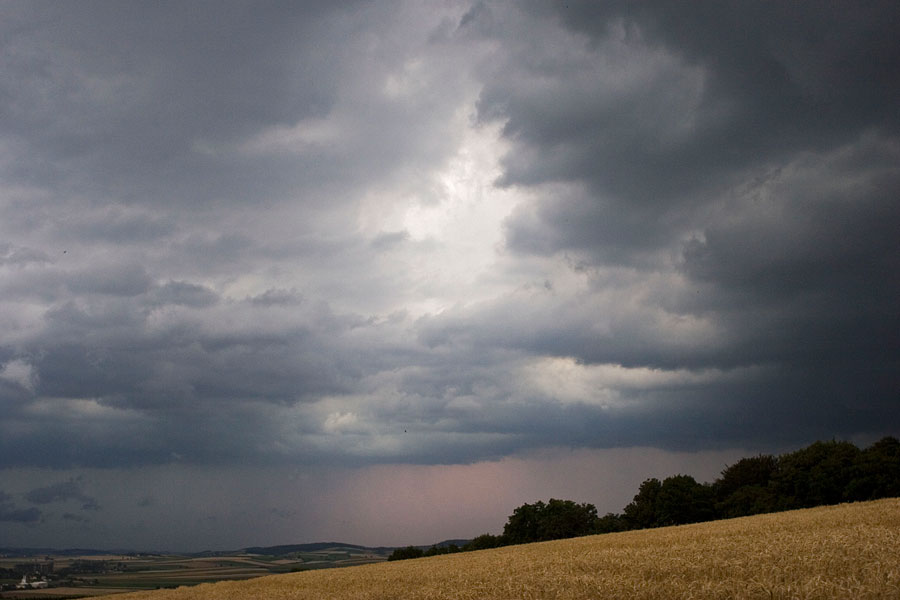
x=554, y=520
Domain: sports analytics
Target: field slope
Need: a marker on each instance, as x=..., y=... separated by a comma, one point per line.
x=846, y=551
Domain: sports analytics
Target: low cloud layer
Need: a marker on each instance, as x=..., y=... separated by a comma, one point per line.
x=10, y=513
x=62, y=491
x=251, y=235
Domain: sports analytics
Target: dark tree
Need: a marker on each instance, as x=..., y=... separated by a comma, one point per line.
x=554, y=520
x=876, y=473
x=611, y=522
x=406, y=553
x=439, y=550
x=522, y=526
x=745, y=472
x=748, y=500
x=641, y=512
x=566, y=519
x=743, y=488
x=815, y=475
x=682, y=500
x=484, y=542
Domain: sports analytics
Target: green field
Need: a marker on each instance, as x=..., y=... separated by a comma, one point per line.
x=143, y=572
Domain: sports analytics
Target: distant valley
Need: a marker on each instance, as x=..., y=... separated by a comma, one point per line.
x=79, y=572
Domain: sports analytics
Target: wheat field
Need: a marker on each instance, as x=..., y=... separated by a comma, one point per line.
x=846, y=551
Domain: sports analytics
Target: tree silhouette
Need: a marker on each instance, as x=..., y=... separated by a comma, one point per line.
x=554, y=520
x=641, y=512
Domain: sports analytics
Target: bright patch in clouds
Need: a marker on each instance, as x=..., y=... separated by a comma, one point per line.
x=20, y=373
x=446, y=236
x=569, y=381
x=307, y=135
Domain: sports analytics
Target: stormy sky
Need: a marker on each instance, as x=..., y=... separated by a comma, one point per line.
x=380, y=272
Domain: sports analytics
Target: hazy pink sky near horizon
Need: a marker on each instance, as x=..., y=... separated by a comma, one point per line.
x=377, y=505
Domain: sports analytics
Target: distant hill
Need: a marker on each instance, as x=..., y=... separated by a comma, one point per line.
x=313, y=547
x=446, y=543
x=320, y=546
x=263, y=550
x=35, y=552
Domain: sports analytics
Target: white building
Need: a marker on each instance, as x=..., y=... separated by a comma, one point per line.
x=32, y=585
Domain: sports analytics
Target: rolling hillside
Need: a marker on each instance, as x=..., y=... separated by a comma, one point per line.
x=845, y=551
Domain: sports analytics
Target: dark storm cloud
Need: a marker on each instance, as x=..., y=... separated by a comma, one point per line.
x=772, y=79
x=177, y=107
x=62, y=491
x=225, y=229
x=116, y=225
x=149, y=163
x=22, y=515
x=75, y=518
x=9, y=513
x=137, y=85
x=745, y=156
x=659, y=110
x=119, y=394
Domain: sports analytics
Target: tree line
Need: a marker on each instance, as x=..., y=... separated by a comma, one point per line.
x=820, y=474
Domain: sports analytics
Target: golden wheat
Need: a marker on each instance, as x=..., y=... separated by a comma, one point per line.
x=846, y=551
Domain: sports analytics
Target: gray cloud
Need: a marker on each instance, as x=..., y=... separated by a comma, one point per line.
x=14, y=255
x=75, y=518
x=62, y=491
x=764, y=81
x=753, y=147
x=22, y=515
x=656, y=115
x=136, y=89
x=9, y=513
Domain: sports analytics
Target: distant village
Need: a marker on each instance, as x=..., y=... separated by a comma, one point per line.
x=35, y=575
x=40, y=574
